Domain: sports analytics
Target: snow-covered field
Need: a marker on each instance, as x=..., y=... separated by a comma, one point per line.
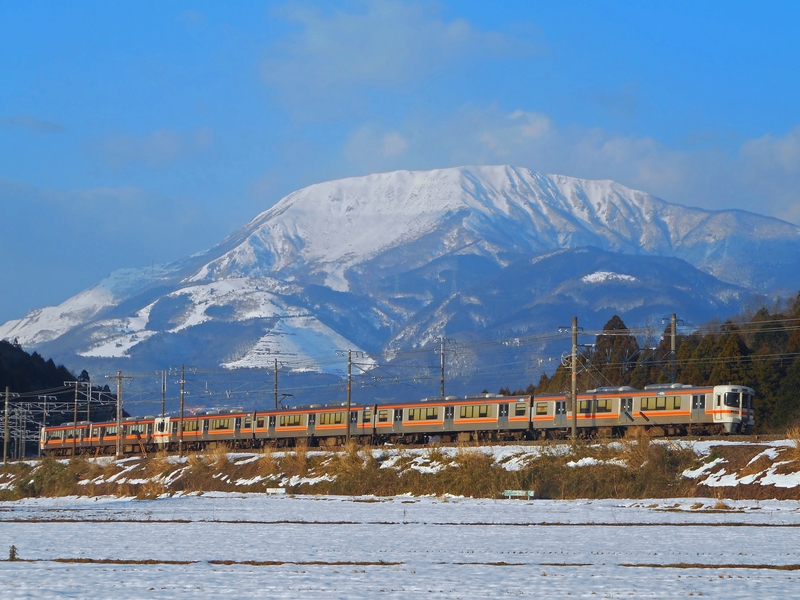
x=254, y=545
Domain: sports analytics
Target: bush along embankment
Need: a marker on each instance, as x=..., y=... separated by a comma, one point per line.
x=638, y=468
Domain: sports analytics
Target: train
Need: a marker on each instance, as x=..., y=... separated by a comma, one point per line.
x=657, y=410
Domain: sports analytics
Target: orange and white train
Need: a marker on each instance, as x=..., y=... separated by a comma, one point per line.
x=658, y=410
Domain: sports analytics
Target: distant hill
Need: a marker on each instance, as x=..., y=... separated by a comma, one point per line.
x=23, y=372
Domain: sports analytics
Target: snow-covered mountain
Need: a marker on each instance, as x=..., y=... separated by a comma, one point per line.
x=393, y=260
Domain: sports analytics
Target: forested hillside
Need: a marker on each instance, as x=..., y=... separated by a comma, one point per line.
x=23, y=372
x=760, y=350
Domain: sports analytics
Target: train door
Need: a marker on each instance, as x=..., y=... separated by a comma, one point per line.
x=502, y=417
x=698, y=408
x=625, y=410
x=312, y=422
x=718, y=408
x=560, y=416
x=449, y=418
x=353, y=425
x=398, y=420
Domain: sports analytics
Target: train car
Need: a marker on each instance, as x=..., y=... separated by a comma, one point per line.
x=451, y=418
x=232, y=427
x=68, y=439
x=658, y=410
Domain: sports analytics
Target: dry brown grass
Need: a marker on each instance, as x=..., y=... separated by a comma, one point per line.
x=793, y=451
x=295, y=462
x=216, y=455
x=267, y=465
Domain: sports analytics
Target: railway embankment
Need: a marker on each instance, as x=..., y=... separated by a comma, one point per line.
x=637, y=468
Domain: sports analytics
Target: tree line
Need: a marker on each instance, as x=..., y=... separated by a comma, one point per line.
x=759, y=348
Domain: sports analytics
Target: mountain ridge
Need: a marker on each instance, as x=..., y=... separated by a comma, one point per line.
x=373, y=262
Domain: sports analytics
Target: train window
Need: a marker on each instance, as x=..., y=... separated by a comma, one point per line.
x=383, y=416
x=174, y=428
x=520, y=408
x=161, y=426
x=585, y=407
x=336, y=418
x=218, y=424
x=718, y=399
x=367, y=416
x=248, y=422
x=353, y=417
x=674, y=403
x=423, y=414
x=260, y=422
x=604, y=405
x=541, y=408
x=626, y=405
x=561, y=407
x=661, y=403
x=191, y=426
x=398, y=415
x=312, y=418
x=272, y=421
x=476, y=412
x=698, y=401
x=732, y=399
x=504, y=410
x=449, y=411
x=291, y=420
x=648, y=403
x=110, y=430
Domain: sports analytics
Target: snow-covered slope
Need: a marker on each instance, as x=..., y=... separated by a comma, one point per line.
x=368, y=263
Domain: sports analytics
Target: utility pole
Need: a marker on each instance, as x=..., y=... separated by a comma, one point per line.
x=44, y=420
x=119, y=377
x=673, y=355
x=163, y=392
x=118, y=452
x=276, y=384
x=88, y=400
x=358, y=354
x=574, y=392
x=5, y=436
x=349, y=386
x=180, y=423
x=75, y=423
x=441, y=353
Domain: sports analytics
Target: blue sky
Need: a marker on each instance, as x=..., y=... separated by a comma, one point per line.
x=134, y=133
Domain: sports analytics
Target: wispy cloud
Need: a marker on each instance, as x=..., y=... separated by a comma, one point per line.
x=30, y=123
x=157, y=149
x=380, y=44
x=762, y=176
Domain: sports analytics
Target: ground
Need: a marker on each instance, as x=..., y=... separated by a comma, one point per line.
x=256, y=545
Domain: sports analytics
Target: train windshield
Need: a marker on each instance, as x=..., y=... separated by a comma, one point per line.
x=732, y=399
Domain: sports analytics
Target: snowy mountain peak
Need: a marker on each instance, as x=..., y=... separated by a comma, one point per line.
x=393, y=259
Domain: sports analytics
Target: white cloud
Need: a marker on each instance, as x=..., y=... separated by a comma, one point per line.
x=380, y=44
x=775, y=154
x=30, y=123
x=763, y=176
x=394, y=144
x=157, y=149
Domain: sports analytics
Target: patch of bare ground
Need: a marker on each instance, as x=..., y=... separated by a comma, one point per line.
x=737, y=457
x=712, y=566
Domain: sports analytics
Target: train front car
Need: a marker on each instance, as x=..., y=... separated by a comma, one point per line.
x=733, y=408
